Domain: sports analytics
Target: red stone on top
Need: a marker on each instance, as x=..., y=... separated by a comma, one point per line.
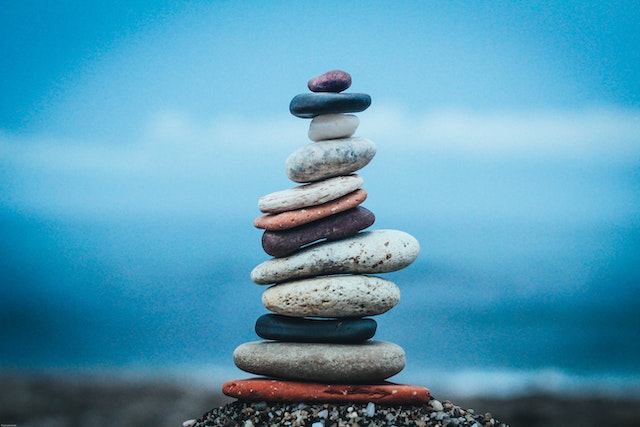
x=271, y=390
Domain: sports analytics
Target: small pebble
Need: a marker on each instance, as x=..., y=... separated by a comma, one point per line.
x=331, y=81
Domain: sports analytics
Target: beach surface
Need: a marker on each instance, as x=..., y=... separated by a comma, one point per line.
x=85, y=400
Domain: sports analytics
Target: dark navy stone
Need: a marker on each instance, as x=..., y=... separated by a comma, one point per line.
x=299, y=329
x=333, y=227
x=309, y=105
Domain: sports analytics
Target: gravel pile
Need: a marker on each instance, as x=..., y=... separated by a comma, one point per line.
x=259, y=414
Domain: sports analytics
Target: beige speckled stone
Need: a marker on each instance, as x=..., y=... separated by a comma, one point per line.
x=332, y=296
x=294, y=218
x=313, y=194
x=326, y=159
x=369, y=252
x=369, y=362
x=331, y=126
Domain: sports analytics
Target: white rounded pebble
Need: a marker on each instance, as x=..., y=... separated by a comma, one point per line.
x=370, y=409
x=189, y=423
x=332, y=296
x=436, y=405
x=313, y=194
x=331, y=126
x=369, y=252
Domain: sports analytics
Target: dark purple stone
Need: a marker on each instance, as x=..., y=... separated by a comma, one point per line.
x=334, y=227
x=309, y=105
x=300, y=329
x=331, y=81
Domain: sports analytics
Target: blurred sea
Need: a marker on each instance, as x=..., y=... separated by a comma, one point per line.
x=497, y=306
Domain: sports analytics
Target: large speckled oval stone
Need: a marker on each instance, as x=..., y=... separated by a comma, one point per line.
x=297, y=217
x=309, y=105
x=331, y=81
x=334, y=227
x=313, y=194
x=332, y=126
x=368, y=252
x=332, y=296
x=297, y=329
x=326, y=159
x=368, y=362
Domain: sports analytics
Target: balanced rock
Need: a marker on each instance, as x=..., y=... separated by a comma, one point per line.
x=313, y=194
x=332, y=296
x=368, y=252
x=334, y=227
x=331, y=126
x=368, y=362
x=296, y=329
x=326, y=159
x=309, y=105
x=297, y=217
x=271, y=390
x=331, y=81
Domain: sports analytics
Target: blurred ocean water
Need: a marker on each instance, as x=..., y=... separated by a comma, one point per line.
x=515, y=310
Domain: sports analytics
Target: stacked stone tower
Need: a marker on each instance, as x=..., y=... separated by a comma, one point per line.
x=317, y=344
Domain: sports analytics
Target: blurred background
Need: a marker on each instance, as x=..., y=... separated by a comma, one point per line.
x=136, y=138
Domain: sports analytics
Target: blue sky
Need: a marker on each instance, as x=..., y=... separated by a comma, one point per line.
x=508, y=138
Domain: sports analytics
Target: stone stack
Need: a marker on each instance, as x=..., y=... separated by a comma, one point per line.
x=322, y=293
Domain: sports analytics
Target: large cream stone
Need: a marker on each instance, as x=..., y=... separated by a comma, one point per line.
x=369, y=252
x=369, y=362
x=332, y=296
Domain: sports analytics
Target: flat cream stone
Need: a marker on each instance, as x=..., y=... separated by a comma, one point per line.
x=332, y=296
x=368, y=362
x=313, y=194
x=326, y=159
x=330, y=126
x=369, y=252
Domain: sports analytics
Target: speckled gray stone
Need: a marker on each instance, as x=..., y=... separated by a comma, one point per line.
x=368, y=362
x=313, y=194
x=332, y=296
x=326, y=159
x=331, y=126
x=369, y=252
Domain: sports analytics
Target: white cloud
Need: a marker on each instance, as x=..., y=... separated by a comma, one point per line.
x=180, y=164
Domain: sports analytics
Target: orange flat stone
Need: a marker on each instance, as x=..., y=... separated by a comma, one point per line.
x=294, y=218
x=270, y=390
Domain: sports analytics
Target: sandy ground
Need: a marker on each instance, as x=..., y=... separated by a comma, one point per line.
x=46, y=401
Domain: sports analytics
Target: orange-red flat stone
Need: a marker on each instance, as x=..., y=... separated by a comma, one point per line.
x=294, y=218
x=270, y=390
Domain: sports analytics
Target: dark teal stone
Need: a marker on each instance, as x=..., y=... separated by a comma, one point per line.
x=309, y=105
x=298, y=329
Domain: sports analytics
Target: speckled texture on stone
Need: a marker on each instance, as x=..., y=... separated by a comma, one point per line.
x=306, y=195
x=369, y=362
x=309, y=105
x=368, y=252
x=334, y=227
x=331, y=126
x=331, y=81
x=326, y=159
x=272, y=390
x=332, y=296
x=297, y=217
